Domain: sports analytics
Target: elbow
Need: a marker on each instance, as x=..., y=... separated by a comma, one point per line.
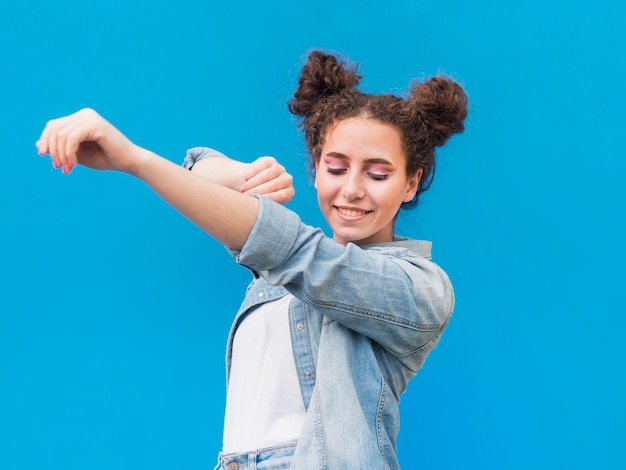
x=434, y=303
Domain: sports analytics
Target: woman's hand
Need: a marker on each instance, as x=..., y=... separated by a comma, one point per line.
x=269, y=178
x=264, y=176
x=87, y=139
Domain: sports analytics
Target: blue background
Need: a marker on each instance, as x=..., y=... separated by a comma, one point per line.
x=114, y=310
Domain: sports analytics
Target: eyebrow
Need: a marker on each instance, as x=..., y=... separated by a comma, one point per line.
x=380, y=161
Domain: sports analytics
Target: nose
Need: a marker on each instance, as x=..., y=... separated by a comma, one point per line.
x=353, y=187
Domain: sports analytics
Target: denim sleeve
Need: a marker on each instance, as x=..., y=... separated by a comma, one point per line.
x=198, y=153
x=399, y=299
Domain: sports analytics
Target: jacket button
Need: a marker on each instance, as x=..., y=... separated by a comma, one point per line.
x=233, y=466
x=307, y=374
x=300, y=326
x=261, y=294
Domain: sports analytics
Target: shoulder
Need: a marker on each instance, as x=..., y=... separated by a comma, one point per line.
x=414, y=257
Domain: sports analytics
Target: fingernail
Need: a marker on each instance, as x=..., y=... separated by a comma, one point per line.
x=56, y=165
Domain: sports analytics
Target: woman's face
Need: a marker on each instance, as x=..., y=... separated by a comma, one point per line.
x=361, y=180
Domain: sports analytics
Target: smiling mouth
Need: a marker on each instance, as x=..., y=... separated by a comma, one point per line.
x=351, y=212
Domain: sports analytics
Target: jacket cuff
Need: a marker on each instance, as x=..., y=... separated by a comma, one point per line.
x=272, y=238
x=198, y=153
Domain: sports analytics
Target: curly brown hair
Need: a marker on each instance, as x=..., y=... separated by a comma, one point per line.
x=433, y=111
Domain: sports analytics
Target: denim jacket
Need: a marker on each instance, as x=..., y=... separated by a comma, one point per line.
x=362, y=322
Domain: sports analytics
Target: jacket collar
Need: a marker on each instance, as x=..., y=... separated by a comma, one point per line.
x=422, y=248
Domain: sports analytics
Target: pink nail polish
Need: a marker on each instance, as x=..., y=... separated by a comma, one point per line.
x=55, y=165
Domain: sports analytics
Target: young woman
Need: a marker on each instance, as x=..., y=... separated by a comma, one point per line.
x=330, y=330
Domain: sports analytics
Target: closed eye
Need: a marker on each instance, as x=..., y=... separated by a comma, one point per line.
x=336, y=171
x=377, y=176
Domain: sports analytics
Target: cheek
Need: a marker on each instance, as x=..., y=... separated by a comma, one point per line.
x=323, y=186
x=390, y=197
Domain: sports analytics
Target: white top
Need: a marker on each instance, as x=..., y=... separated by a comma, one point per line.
x=264, y=404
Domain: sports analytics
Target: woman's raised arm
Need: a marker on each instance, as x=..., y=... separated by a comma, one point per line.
x=87, y=139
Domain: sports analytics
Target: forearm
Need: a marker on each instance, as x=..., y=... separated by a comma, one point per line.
x=222, y=170
x=226, y=215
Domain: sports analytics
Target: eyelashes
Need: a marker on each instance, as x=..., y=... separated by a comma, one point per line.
x=341, y=171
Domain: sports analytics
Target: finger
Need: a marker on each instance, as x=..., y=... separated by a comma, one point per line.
x=283, y=182
x=261, y=185
x=69, y=142
x=52, y=145
x=47, y=143
x=281, y=196
x=42, y=150
x=259, y=175
x=42, y=142
x=52, y=154
x=259, y=180
x=60, y=137
x=261, y=166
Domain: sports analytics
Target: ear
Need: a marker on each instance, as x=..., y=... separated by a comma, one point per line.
x=411, y=186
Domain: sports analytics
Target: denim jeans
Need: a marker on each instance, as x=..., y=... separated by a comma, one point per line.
x=271, y=458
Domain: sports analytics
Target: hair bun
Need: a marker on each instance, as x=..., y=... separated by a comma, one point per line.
x=321, y=76
x=442, y=105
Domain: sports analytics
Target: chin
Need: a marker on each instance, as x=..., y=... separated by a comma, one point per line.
x=351, y=237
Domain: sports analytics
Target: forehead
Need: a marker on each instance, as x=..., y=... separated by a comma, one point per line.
x=364, y=138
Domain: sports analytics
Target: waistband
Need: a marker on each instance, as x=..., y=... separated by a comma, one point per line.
x=270, y=458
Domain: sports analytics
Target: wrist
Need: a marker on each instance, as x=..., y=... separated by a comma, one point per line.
x=139, y=158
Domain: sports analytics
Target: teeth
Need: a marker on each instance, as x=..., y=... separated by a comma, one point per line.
x=350, y=212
